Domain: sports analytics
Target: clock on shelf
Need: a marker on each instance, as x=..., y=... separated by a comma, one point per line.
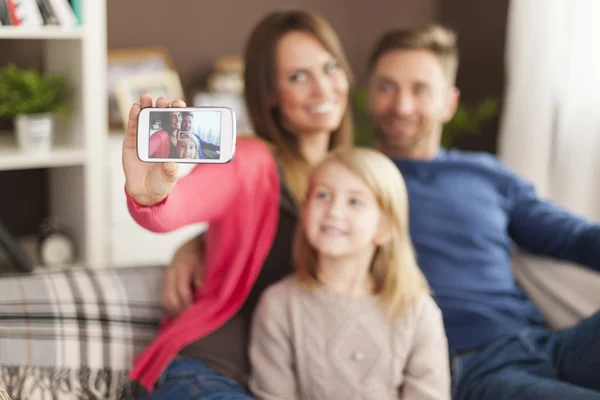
x=56, y=246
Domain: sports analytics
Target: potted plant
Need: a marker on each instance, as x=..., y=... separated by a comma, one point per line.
x=466, y=121
x=32, y=100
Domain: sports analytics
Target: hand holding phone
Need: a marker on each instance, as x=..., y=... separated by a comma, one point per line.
x=147, y=183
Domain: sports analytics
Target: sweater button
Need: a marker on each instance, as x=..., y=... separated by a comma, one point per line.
x=358, y=356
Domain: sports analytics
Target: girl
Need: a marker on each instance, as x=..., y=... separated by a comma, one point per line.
x=188, y=146
x=356, y=321
x=296, y=80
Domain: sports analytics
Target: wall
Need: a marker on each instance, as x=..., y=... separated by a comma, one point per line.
x=481, y=28
x=194, y=32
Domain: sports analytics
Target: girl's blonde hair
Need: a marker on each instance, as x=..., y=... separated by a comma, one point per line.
x=194, y=139
x=398, y=279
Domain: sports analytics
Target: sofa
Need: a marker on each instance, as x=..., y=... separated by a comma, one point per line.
x=74, y=333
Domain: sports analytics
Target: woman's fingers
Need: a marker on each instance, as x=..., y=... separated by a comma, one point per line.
x=162, y=102
x=145, y=100
x=178, y=103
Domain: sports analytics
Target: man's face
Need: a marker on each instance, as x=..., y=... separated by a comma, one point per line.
x=186, y=124
x=409, y=101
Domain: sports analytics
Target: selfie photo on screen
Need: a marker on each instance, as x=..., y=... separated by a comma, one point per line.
x=185, y=135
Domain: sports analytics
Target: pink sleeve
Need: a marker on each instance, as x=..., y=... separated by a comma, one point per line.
x=154, y=144
x=204, y=194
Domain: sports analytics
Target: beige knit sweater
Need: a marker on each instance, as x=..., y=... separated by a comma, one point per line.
x=326, y=346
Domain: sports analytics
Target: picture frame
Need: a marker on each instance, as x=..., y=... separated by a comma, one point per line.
x=131, y=62
x=130, y=88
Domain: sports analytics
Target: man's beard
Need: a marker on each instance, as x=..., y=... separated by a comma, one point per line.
x=401, y=145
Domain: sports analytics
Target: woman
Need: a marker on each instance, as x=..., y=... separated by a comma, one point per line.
x=163, y=143
x=296, y=90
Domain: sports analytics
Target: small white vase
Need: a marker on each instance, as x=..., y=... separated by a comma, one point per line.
x=34, y=132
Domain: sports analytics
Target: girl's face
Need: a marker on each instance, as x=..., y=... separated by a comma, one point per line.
x=341, y=216
x=311, y=89
x=186, y=149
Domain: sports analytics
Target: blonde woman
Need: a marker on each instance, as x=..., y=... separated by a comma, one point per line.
x=357, y=319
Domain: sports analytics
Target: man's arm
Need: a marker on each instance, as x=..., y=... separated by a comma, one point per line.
x=545, y=229
x=183, y=274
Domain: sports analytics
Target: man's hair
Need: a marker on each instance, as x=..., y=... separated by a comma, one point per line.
x=187, y=114
x=438, y=39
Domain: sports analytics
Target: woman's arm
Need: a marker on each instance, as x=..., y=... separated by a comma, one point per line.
x=205, y=193
x=427, y=374
x=271, y=353
x=157, y=143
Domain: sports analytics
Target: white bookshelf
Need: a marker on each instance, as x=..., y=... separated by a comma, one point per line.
x=43, y=33
x=11, y=158
x=76, y=165
x=86, y=180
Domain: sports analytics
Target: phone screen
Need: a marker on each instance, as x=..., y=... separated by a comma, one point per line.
x=185, y=135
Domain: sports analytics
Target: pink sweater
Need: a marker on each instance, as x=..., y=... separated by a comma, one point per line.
x=240, y=201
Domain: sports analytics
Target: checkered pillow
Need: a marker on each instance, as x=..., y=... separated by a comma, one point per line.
x=74, y=334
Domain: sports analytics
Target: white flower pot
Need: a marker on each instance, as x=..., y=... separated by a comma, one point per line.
x=34, y=132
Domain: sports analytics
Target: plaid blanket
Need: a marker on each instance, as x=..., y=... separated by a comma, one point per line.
x=74, y=334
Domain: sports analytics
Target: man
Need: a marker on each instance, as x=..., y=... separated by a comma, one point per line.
x=467, y=211
x=187, y=122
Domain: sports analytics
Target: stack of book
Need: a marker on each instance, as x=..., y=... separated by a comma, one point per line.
x=66, y=13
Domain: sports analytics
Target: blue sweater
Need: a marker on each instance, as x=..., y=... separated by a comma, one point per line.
x=466, y=212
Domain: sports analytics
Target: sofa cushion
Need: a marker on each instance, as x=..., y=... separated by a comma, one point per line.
x=75, y=333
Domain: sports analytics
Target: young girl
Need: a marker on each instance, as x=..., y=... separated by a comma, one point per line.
x=356, y=321
x=187, y=146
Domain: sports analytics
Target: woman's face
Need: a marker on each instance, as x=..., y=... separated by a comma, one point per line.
x=311, y=90
x=175, y=118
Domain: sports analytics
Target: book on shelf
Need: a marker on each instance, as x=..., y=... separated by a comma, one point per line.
x=65, y=13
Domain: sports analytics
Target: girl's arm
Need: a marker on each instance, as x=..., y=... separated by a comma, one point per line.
x=273, y=374
x=427, y=374
x=206, y=193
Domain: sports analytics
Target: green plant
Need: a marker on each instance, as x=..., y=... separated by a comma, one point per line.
x=362, y=128
x=467, y=120
x=27, y=91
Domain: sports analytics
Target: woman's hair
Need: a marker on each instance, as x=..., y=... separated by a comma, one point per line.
x=398, y=279
x=165, y=121
x=259, y=86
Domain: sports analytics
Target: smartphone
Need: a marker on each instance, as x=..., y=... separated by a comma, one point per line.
x=195, y=135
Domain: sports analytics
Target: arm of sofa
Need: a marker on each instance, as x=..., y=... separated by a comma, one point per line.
x=564, y=292
x=75, y=333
